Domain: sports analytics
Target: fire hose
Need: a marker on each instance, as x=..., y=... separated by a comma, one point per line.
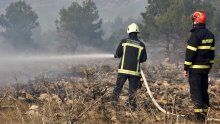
x=158, y=106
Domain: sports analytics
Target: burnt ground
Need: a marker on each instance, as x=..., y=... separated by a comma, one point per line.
x=83, y=95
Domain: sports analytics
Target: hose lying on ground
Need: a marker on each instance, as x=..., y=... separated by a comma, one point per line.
x=158, y=106
x=152, y=98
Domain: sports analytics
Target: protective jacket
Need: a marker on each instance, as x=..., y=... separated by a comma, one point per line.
x=200, y=50
x=132, y=53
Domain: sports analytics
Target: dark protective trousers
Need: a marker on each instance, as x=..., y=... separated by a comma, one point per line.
x=134, y=82
x=199, y=92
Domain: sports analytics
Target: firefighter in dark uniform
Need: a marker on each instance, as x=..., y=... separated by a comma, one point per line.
x=198, y=62
x=132, y=52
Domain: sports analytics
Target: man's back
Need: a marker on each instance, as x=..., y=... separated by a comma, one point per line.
x=132, y=53
x=200, y=50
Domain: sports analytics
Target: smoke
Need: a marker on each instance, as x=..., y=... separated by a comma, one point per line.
x=5, y=48
x=24, y=68
x=29, y=62
x=45, y=36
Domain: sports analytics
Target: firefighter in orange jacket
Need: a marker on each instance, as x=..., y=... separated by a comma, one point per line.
x=199, y=59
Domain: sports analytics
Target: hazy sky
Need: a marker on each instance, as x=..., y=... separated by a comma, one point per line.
x=48, y=10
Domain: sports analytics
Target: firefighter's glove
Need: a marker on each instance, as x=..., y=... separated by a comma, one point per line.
x=115, y=56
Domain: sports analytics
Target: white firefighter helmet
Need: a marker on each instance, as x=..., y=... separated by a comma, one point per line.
x=133, y=27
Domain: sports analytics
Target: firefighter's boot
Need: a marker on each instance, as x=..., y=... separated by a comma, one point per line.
x=114, y=99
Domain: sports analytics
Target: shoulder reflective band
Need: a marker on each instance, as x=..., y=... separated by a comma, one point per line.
x=198, y=110
x=191, y=48
x=212, y=61
x=139, y=53
x=133, y=45
x=187, y=63
x=204, y=47
x=123, y=71
x=200, y=66
x=212, y=48
x=207, y=41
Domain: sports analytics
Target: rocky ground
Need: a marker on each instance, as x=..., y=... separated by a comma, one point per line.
x=83, y=96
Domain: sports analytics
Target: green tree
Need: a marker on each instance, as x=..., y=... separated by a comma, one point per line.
x=115, y=38
x=154, y=9
x=18, y=22
x=173, y=24
x=81, y=21
x=170, y=21
x=119, y=31
x=216, y=18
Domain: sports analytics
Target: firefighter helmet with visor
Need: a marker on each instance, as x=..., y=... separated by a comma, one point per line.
x=199, y=17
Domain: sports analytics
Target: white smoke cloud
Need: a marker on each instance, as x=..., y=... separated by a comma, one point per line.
x=46, y=37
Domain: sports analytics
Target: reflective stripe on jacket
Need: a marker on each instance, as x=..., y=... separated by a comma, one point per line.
x=132, y=53
x=200, y=51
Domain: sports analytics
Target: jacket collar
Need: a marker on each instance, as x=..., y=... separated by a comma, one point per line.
x=198, y=26
x=133, y=36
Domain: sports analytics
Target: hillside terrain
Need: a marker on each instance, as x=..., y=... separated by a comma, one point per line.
x=83, y=95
